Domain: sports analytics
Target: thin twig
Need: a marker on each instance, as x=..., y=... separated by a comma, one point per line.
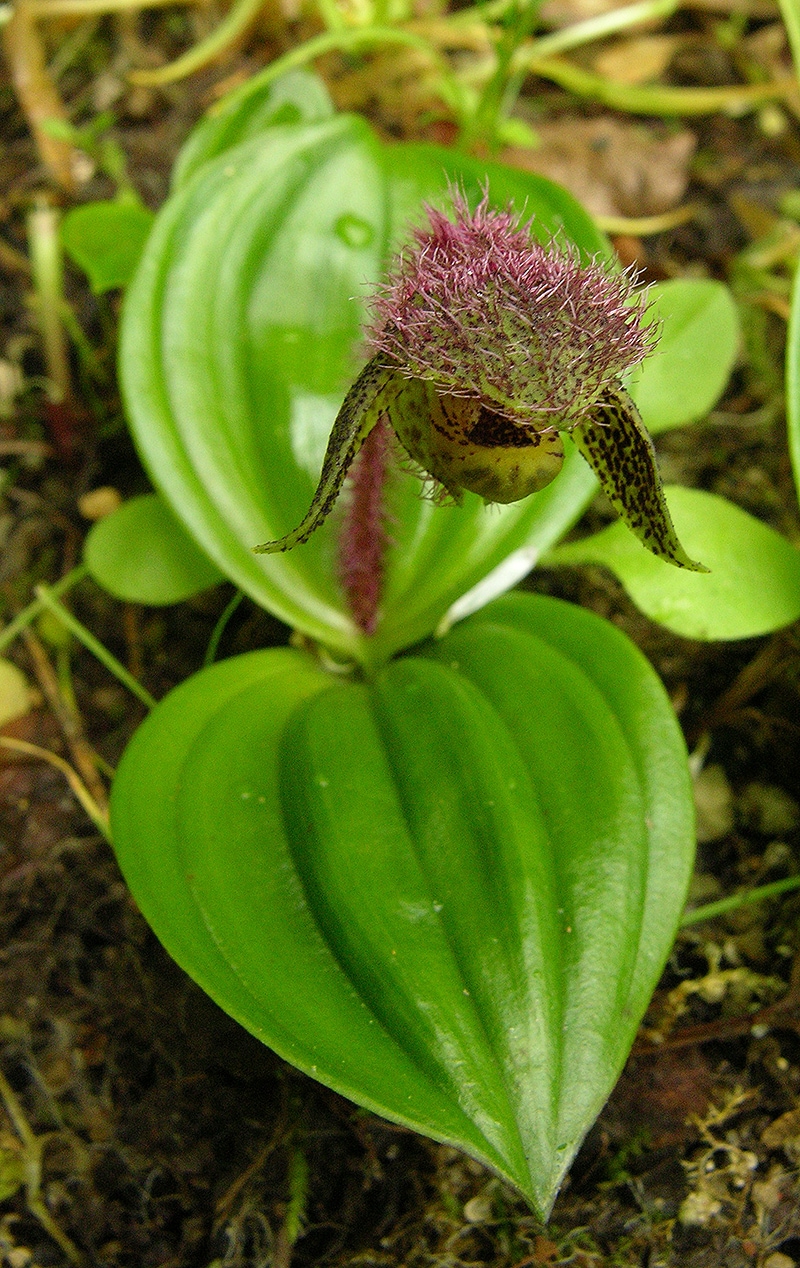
x=32, y=448
x=757, y=674
x=37, y=92
x=98, y=817
x=33, y=1149
x=36, y=607
x=13, y=260
x=87, y=8
x=94, y=645
x=783, y=1014
x=68, y=720
x=130, y=624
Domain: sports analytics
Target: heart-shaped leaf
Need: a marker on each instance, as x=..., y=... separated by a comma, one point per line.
x=106, y=240
x=447, y=893
x=753, y=583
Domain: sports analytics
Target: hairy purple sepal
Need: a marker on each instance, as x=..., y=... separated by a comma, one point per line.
x=480, y=310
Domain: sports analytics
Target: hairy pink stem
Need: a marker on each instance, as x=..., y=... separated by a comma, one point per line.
x=363, y=537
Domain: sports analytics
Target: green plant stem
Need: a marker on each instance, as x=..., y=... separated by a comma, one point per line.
x=327, y=42
x=709, y=911
x=793, y=379
x=87, y=357
x=501, y=90
x=94, y=645
x=298, y=1196
x=220, y=627
x=48, y=280
x=790, y=11
x=516, y=57
x=666, y=102
x=64, y=676
x=491, y=11
x=236, y=21
x=645, y=226
x=34, y=609
x=596, y=28
x=331, y=15
x=71, y=48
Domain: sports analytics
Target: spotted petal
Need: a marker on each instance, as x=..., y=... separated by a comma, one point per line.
x=365, y=404
x=619, y=450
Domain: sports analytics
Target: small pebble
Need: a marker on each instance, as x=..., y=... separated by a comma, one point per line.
x=98, y=503
x=479, y=1210
x=699, y=1209
x=713, y=801
x=767, y=809
x=15, y=695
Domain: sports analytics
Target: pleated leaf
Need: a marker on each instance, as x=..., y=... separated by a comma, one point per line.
x=447, y=893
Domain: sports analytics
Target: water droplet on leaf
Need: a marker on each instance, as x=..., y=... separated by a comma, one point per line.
x=353, y=231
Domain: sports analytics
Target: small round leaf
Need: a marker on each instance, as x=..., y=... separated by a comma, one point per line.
x=752, y=586
x=141, y=553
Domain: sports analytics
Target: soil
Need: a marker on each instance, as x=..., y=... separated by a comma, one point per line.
x=142, y=1127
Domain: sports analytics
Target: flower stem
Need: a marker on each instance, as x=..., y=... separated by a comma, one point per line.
x=363, y=538
x=709, y=911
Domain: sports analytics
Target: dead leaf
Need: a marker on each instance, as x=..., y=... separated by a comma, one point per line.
x=15, y=694
x=784, y=1134
x=560, y=13
x=613, y=167
x=637, y=61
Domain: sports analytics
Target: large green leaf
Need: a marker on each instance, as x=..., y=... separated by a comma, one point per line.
x=447, y=893
x=752, y=586
x=260, y=103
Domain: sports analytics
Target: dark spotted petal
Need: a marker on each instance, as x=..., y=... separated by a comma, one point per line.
x=463, y=444
x=614, y=442
x=362, y=408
